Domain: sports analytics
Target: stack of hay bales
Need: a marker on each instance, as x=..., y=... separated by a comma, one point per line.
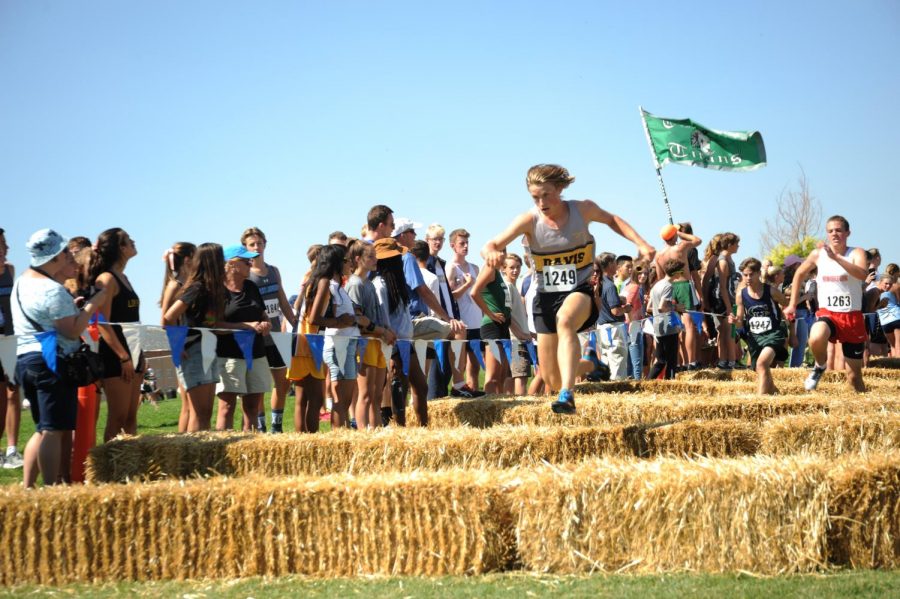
x=697, y=474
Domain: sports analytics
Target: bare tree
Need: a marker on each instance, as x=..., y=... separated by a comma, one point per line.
x=798, y=216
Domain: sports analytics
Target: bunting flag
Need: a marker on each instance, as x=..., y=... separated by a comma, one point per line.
x=592, y=340
x=284, y=343
x=98, y=318
x=316, y=347
x=47, y=339
x=674, y=320
x=177, y=335
x=697, y=317
x=403, y=347
x=361, y=345
x=92, y=338
x=421, y=347
x=244, y=340
x=387, y=351
x=475, y=348
x=494, y=349
x=208, y=343
x=134, y=336
x=507, y=348
x=440, y=346
x=8, y=355
x=340, y=343
x=609, y=331
x=456, y=345
x=625, y=332
x=529, y=345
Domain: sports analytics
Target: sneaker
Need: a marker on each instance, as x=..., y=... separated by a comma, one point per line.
x=812, y=381
x=13, y=460
x=466, y=392
x=723, y=365
x=565, y=404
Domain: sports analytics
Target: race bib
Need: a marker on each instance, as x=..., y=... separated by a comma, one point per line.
x=841, y=300
x=562, y=277
x=273, y=308
x=760, y=324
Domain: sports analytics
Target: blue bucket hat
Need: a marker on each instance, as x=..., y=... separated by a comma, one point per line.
x=44, y=246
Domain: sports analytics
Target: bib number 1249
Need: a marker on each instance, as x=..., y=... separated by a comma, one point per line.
x=560, y=278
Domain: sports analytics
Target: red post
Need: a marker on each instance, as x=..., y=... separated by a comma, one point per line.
x=85, y=423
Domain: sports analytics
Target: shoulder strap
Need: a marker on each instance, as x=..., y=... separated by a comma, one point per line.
x=25, y=314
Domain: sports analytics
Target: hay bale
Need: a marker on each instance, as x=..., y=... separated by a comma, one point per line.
x=831, y=435
x=864, y=508
x=762, y=515
x=416, y=524
x=885, y=363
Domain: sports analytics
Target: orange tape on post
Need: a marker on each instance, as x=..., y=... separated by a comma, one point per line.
x=85, y=423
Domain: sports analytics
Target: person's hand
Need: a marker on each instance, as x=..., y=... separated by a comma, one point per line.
x=457, y=326
x=497, y=317
x=389, y=337
x=264, y=327
x=790, y=312
x=127, y=371
x=346, y=320
x=492, y=259
x=827, y=249
x=870, y=277
x=646, y=253
x=732, y=319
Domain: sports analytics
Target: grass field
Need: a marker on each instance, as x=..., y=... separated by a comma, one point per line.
x=838, y=584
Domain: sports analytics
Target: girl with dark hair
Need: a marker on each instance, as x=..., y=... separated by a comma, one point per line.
x=332, y=308
x=199, y=303
x=106, y=270
x=178, y=265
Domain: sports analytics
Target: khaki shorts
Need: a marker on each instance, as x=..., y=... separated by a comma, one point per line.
x=237, y=378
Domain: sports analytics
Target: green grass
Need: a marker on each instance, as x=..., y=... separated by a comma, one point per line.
x=838, y=584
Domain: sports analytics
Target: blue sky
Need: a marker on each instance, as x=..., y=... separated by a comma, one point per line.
x=194, y=120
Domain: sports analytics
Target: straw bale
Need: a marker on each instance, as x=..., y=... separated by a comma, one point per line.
x=876, y=376
x=885, y=363
x=415, y=524
x=752, y=514
x=865, y=512
x=831, y=435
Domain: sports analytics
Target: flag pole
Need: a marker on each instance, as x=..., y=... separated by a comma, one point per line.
x=662, y=186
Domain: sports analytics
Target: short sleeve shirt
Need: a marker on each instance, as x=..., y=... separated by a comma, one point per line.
x=246, y=305
x=413, y=276
x=45, y=302
x=609, y=298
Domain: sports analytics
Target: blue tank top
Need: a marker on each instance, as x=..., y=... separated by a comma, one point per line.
x=760, y=315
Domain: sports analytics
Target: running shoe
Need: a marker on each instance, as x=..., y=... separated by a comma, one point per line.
x=723, y=365
x=812, y=381
x=565, y=404
x=13, y=460
x=466, y=392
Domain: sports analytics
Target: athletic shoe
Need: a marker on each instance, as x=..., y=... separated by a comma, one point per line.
x=723, y=365
x=565, y=404
x=13, y=460
x=466, y=392
x=277, y=428
x=812, y=381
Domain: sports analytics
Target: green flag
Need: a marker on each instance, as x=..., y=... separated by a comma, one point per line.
x=687, y=142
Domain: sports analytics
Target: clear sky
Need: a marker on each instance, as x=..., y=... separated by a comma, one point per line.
x=194, y=120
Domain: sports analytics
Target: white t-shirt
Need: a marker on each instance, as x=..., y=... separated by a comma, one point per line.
x=433, y=284
x=342, y=305
x=45, y=301
x=469, y=312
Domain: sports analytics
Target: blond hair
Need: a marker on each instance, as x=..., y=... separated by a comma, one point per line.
x=434, y=230
x=549, y=173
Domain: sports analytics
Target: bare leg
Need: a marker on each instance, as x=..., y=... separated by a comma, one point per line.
x=31, y=466
x=250, y=405
x=574, y=311
x=690, y=339
x=200, y=400
x=13, y=414
x=818, y=342
x=547, y=351
x=122, y=401
x=225, y=416
x=184, y=417
x=854, y=374
x=766, y=386
x=342, y=394
x=48, y=454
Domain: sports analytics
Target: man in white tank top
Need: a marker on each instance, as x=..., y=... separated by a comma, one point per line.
x=840, y=278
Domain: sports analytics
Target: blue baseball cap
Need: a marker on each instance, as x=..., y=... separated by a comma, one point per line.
x=238, y=251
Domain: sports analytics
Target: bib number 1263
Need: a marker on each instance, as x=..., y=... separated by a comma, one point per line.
x=838, y=301
x=560, y=278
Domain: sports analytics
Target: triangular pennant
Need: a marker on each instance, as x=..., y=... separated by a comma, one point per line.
x=98, y=318
x=244, y=340
x=47, y=339
x=421, y=346
x=403, y=347
x=494, y=349
x=440, y=347
x=361, y=345
x=176, y=335
x=697, y=317
x=456, y=346
x=208, y=344
x=507, y=347
x=387, y=351
x=341, y=343
x=674, y=321
x=134, y=339
x=8, y=355
x=592, y=340
x=532, y=351
x=283, y=343
x=475, y=347
x=316, y=347
x=92, y=341
x=609, y=335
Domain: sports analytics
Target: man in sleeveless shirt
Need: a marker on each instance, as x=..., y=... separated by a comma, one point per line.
x=841, y=272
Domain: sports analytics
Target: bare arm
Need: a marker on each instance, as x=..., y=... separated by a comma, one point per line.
x=724, y=272
x=167, y=298
x=72, y=326
x=591, y=212
x=494, y=251
x=286, y=309
x=799, y=277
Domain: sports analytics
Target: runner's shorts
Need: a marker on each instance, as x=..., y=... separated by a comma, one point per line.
x=546, y=305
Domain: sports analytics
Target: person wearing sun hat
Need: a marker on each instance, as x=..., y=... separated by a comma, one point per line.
x=678, y=245
x=41, y=303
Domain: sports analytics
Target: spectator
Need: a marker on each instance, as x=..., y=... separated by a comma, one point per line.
x=613, y=347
